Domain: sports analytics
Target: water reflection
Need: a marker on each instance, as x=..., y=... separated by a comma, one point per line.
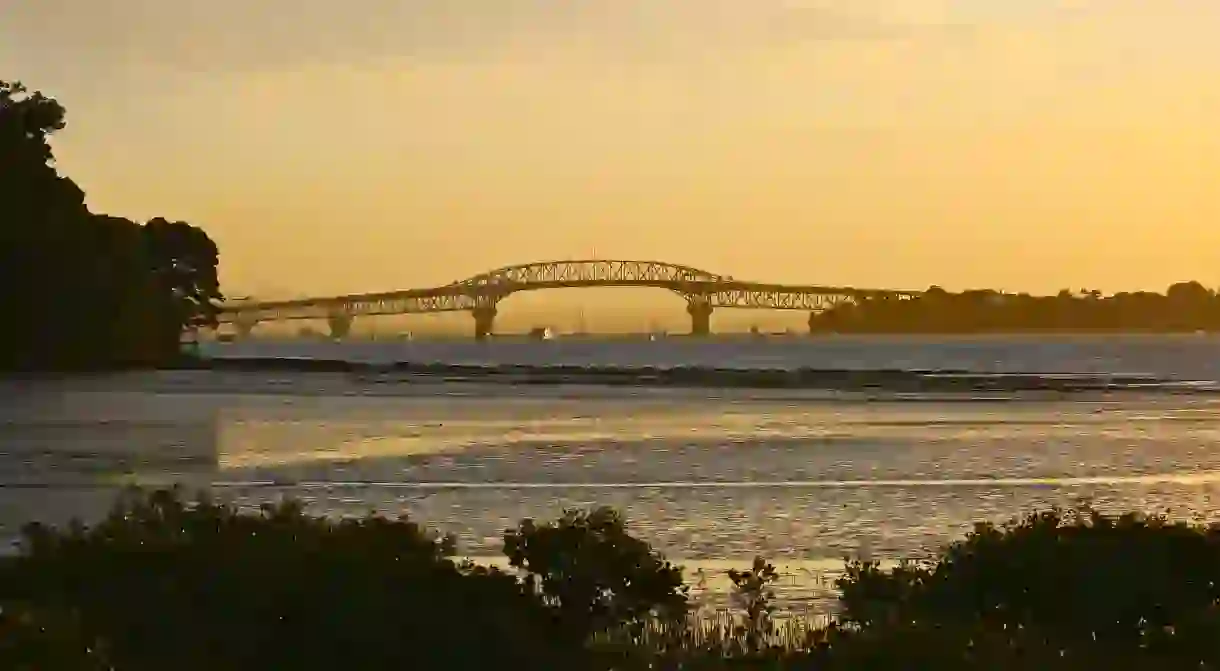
x=714, y=478
x=65, y=452
x=711, y=477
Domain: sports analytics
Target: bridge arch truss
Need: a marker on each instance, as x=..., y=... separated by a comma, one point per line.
x=480, y=293
x=586, y=271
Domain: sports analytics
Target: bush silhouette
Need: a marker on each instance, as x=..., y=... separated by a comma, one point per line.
x=34, y=639
x=1129, y=589
x=201, y=586
x=753, y=594
x=162, y=583
x=594, y=574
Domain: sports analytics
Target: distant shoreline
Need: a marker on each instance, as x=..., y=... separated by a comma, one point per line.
x=745, y=335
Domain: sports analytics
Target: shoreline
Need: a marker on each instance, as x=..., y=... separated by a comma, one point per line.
x=838, y=379
x=834, y=380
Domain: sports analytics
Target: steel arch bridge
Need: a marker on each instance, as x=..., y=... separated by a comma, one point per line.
x=703, y=292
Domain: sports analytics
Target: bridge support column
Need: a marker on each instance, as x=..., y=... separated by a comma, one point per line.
x=700, y=311
x=244, y=327
x=340, y=324
x=484, y=321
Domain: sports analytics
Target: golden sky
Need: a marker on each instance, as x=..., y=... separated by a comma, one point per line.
x=334, y=147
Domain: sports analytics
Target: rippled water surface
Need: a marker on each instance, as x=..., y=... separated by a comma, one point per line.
x=711, y=476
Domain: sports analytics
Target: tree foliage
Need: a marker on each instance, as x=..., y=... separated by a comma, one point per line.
x=162, y=583
x=40, y=639
x=594, y=573
x=80, y=289
x=1087, y=586
x=754, y=596
x=167, y=584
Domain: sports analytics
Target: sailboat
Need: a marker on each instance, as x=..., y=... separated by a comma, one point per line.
x=582, y=327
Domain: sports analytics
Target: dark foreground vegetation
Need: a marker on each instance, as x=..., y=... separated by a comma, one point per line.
x=1185, y=307
x=78, y=289
x=166, y=584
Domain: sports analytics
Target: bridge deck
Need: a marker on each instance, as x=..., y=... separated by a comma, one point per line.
x=484, y=291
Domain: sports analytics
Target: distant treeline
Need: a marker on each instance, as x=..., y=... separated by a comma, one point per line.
x=79, y=289
x=1184, y=307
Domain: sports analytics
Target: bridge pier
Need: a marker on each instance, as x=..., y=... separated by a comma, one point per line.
x=700, y=311
x=340, y=324
x=480, y=294
x=244, y=327
x=484, y=321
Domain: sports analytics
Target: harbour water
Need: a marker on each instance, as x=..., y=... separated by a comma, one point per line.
x=710, y=475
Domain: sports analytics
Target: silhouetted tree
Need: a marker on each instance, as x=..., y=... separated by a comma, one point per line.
x=594, y=574
x=184, y=261
x=1083, y=584
x=28, y=179
x=169, y=584
x=83, y=290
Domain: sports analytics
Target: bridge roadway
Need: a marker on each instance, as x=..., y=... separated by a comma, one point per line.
x=480, y=295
